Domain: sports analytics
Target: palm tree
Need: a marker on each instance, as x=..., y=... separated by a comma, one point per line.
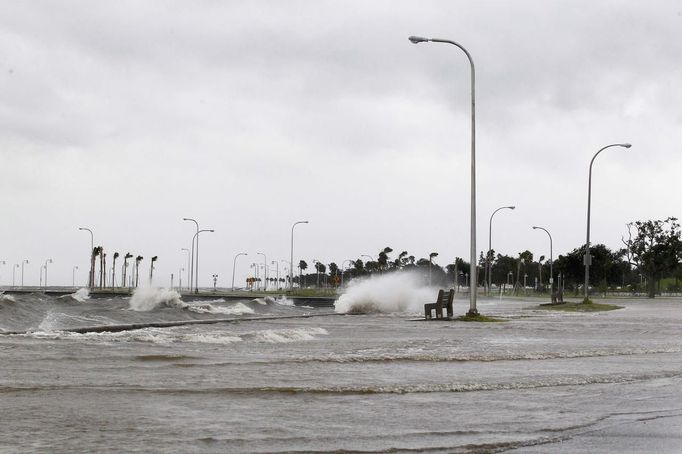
x=113, y=270
x=383, y=258
x=97, y=251
x=302, y=266
x=125, y=267
x=138, y=259
x=151, y=268
x=431, y=256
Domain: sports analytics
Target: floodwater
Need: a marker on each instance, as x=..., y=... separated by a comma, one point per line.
x=541, y=382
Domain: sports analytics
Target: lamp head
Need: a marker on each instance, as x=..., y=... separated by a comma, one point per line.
x=626, y=145
x=512, y=207
x=534, y=227
x=210, y=230
x=418, y=39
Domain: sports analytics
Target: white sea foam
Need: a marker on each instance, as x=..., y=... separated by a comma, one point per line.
x=81, y=295
x=170, y=336
x=387, y=293
x=237, y=309
x=284, y=301
x=8, y=298
x=147, y=298
x=281, y=336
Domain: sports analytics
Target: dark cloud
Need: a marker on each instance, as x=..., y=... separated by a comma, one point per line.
x=249, y=115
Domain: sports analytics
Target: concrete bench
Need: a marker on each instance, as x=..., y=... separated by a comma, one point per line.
x=444, y=300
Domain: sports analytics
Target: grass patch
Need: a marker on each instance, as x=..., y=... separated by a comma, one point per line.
x=478, y=318
x=580, y=307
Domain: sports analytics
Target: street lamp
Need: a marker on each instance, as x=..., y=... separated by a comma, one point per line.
x=265, y=271
x=588, y=257
x=371, y=259
x=46, y=262
x=91, y=279
x=196, y=268
x=472, y=249
x=551, y=262
x=25, y=261
x=490, y=246
x=189, y=281
x=343, y=268
x=192, y=272
x=291, y=262
x=234, y=266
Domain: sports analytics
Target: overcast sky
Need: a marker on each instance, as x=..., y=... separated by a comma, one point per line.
x=125, y=117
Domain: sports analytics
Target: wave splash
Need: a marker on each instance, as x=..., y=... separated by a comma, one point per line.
x=81, y=295
x=146, y=299
x=388, y=293
x=8, y=298
x=164, y=336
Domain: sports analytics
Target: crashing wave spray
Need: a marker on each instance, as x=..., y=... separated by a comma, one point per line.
x=81, y=295
x=147, y=298
x=387, y=293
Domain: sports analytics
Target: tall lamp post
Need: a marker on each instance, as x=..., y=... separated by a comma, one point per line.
x=291, y=261
x=490, y=247
x=551, y=262
x=46, y=262
x=91, y=278
x=343, y=268
x=191, y=268
x=196, y=268
x=371, y=259
x=234, y=266
x=588, y=257
x=265, y=271
x=472, y=248
x=23, y=262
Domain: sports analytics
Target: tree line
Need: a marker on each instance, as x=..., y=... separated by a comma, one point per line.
x=650, y=261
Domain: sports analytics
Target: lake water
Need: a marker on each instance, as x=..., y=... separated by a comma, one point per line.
x=541, y=382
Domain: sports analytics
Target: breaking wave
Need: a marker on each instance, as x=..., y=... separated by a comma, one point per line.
x=7, y=298
x=207, y=308
x=282, y=301
x=422, y=388
x=388, y=293
x=145, y=299
x=169, y=336
x=81, y=295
